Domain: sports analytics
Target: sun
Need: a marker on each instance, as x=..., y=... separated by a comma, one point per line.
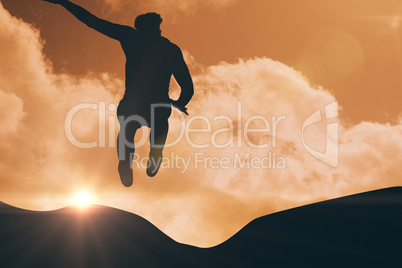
x=82, y=199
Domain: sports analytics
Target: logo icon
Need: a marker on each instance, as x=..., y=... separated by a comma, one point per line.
x=331, y=154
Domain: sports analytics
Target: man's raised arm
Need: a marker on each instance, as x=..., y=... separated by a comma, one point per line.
x=107, y=28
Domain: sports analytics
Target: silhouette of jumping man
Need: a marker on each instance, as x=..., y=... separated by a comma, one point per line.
x=150, y=62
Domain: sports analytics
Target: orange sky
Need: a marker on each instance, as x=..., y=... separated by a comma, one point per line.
x=301, y=34
x=296, y=57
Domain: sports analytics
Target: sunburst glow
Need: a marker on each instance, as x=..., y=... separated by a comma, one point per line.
x=82, y=199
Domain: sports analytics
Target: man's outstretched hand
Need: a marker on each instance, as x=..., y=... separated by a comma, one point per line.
x=179, y=107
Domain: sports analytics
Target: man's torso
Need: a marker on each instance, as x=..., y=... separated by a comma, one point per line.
x=149, y=67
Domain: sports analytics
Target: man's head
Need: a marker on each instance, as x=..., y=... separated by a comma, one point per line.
x=148, y=23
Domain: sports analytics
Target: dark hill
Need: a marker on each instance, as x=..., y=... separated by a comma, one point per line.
x=363, y=230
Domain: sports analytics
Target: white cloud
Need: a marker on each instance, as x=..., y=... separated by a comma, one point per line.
x=11, y=113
